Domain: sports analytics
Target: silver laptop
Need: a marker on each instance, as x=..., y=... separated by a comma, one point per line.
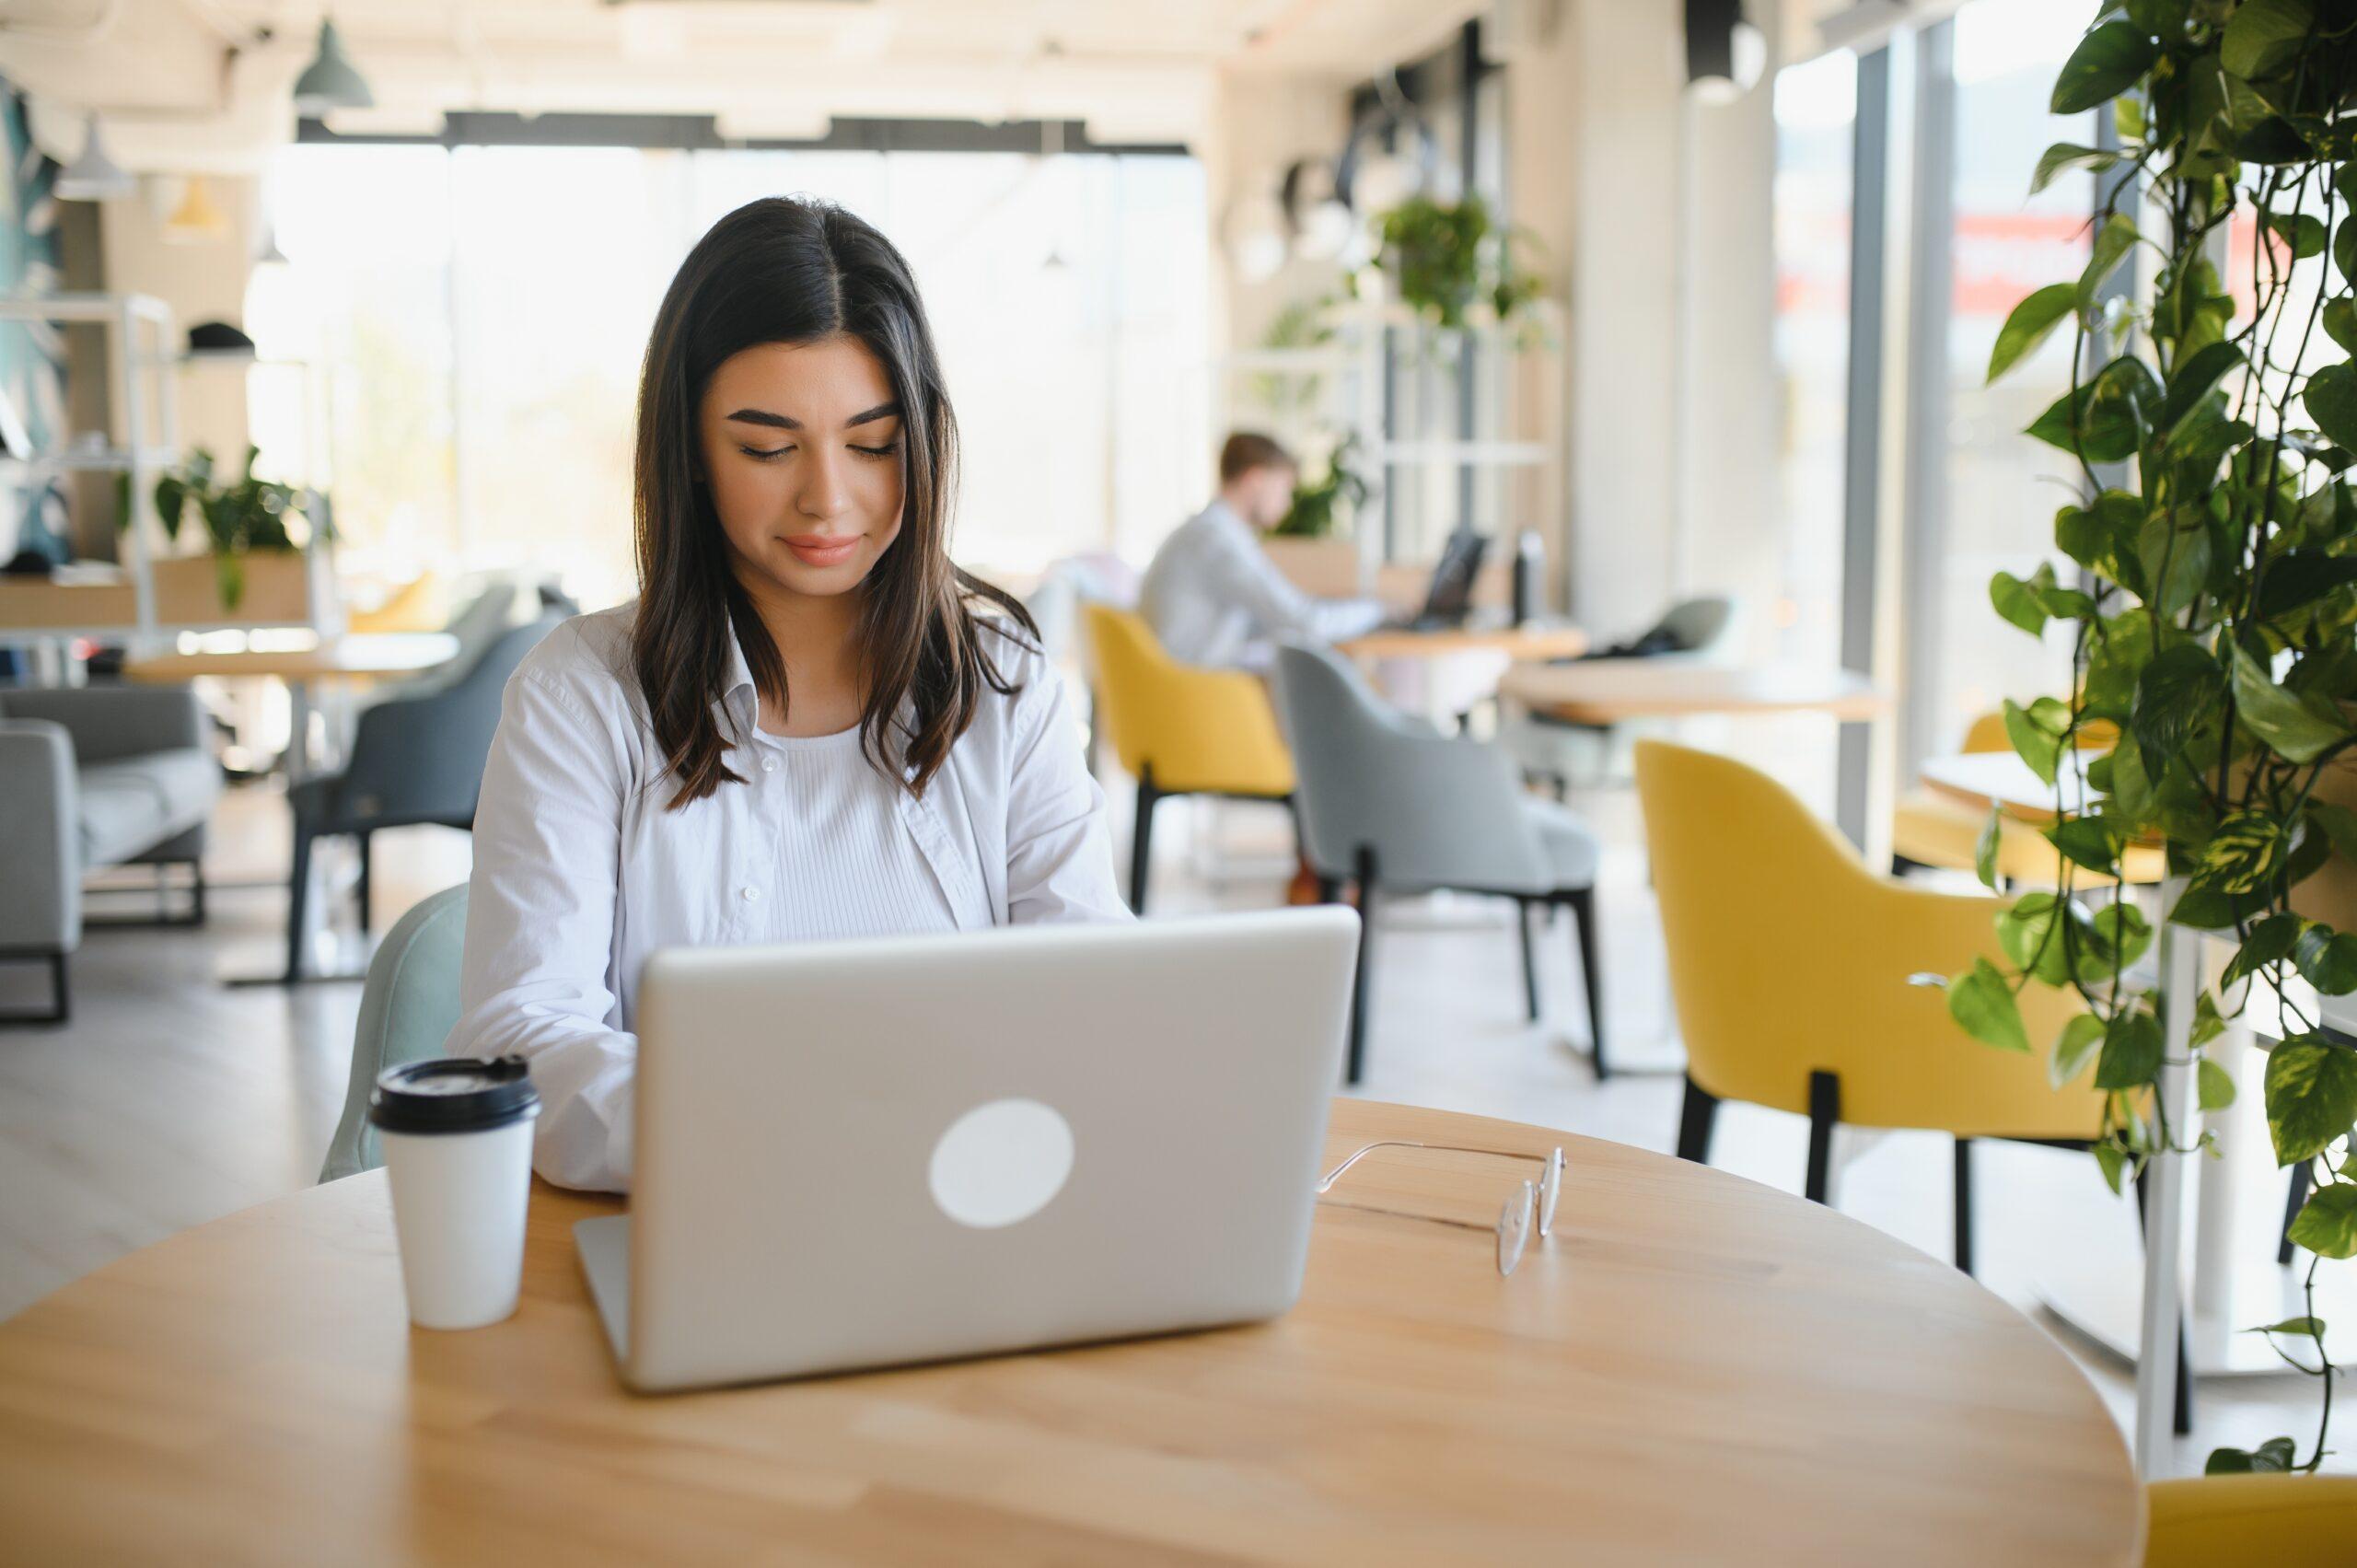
x=864, y=1154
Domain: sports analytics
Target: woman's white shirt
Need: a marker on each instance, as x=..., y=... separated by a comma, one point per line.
x=581, y=870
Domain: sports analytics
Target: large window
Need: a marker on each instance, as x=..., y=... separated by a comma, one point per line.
x=482, y=313
x=1997, y=489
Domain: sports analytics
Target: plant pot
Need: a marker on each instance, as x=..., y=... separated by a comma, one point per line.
x=277, y=590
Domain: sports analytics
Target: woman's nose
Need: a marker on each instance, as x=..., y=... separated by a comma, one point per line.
x=824, y=494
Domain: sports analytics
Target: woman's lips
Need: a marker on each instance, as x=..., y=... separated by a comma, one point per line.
x=823, y=549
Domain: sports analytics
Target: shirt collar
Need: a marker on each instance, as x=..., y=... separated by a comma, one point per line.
x=739, y=698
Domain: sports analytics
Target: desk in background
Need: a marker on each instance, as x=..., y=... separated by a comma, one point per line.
x=1694, y=1368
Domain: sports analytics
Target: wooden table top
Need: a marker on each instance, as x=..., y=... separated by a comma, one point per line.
x=1982, y=779
x=355, y=656
x=1538, y=642
x=1604, y=691
x=1694, y=1368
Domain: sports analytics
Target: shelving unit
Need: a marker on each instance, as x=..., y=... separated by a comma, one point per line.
x=155, y=595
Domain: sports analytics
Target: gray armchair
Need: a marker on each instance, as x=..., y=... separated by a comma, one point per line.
x=95, y=776
x=1389, y=802
x=415, y=759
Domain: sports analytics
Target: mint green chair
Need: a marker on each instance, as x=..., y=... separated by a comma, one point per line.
x=407, y=1010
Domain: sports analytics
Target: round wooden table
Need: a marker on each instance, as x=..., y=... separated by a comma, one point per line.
x=1695, y=1368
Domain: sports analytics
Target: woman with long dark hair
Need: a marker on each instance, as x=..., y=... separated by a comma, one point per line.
x=810, y=724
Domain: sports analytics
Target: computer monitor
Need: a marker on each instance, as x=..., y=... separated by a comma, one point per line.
x=1450, y=597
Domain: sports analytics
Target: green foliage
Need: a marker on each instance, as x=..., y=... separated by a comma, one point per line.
x=2214, y=445
x=1315, y=503
x=244, y=513
x=1450, y=262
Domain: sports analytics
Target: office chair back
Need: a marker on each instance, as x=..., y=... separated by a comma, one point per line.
x=420, y=759
x=1438, y=811
x=1787, y=956
x=1200, y=731
x=407, y=1009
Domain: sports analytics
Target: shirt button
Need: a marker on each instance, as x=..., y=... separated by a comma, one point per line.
x=769, y=764
x=752, y=895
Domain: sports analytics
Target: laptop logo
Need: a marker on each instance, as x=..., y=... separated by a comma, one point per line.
x=1001, y=1163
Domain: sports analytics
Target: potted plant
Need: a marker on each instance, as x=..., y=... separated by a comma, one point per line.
x=1315, y=501
x=241, y=516
x=1454, y=267
x=2215, y=616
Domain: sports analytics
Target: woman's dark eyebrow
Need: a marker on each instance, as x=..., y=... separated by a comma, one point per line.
x=780, y=421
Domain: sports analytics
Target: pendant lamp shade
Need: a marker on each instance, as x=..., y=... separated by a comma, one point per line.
x=196, y=218
x=331, y=81
x=93, y=177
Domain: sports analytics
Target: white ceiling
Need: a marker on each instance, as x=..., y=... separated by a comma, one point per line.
x=187, y=85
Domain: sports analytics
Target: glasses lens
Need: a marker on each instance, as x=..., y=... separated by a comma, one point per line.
x=1514, y=1228
x=1550, y=1187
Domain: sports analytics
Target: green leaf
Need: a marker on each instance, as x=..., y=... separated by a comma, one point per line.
x=2029, y=325
x=2304, y=234
x=1984, y=849
x=2326, y=959
x=2270, y=941
x=2068, y=154
x=2113, y=1162
x=2344, y=249
x=2109, y=61
x=2075, y=1048
x=2270, y=1458
x=2243, y=853
x=2299, y=578
x=2122, y=934
x=2199, y=372
x=2331, y=400
x=2131, y=1051
x=2306, y=1328
x=2175, y=694
x=2113, y=242
x=2216, y=1086
x=2263, y=36
x=2091, y=841
x=1981, y=1002
x=2340, y=825
x=2339, y=323
x=2311, y=1098
x=2327, y=1226
x=2174, y=549
x=2037, y=733
x=2298, y=729
x=2016, y=603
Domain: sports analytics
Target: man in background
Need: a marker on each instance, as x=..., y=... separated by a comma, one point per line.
x=1213, y=597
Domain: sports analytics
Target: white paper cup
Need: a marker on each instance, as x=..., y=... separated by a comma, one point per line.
x=457, y=1140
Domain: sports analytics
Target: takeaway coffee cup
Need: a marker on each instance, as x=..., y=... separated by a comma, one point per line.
x=458, y=1137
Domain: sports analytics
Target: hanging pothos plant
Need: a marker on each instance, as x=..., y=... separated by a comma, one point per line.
x=1451, y=265
x=2215, y=617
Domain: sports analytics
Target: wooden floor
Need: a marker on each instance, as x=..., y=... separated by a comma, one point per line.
x=172, y=1099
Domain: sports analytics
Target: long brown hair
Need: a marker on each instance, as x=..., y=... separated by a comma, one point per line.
x=797, y=269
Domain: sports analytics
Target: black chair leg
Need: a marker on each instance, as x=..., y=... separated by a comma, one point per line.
x=1824, y=1112
x=1142, y=840
x=1361, y=985
x=298, y=897
x=361, y=892
x=1529, y=959
x=61, y=1008
x=1582, y=903
x=196, y=893
x=1695, y=1119
x=2293, y=1200
x=1964, y=1204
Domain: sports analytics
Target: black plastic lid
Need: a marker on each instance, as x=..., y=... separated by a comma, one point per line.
x=454, y=1094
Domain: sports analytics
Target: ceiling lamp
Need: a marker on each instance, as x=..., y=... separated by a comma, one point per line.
x=1726, y=55
x=196, y=218
x=330, y=80
x=93, y=177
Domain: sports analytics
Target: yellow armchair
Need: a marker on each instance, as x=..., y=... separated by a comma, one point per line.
x=2283, y=1521
x=1788, y=964
x=1178, y=729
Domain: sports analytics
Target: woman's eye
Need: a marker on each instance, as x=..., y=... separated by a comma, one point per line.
x=765, y=454
x=883, y=452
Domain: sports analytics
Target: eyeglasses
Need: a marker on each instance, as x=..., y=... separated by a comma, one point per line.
x=1530, y=1200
